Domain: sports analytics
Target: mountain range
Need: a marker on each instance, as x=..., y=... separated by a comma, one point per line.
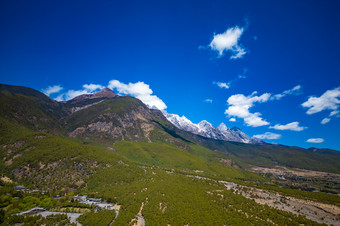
x=105, y=117
x=206, y=129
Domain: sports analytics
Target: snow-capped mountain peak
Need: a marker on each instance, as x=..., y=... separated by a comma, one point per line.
x=206, y=129
x=181, y=122
x=223, y=128
x=205, y=125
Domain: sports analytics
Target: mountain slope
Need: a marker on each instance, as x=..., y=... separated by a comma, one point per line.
x=30, y=108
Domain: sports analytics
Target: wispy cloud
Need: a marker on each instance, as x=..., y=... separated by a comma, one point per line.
x=52, y=89
x=229, y=41
x=268, y=136
x=315, y=140
x=333, y=113
x=294, y=126
x=208, y=100
x=325, y=120
x=223, y=85
x=294, y=91
x=87, y=89
x=243, y=74
x=226, y=85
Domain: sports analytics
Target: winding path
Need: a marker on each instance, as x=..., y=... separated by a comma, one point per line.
x=117, y=213
x=141, y=219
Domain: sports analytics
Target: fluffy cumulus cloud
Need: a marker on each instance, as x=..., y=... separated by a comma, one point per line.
x=294, y=126
x=52, y=89
x=228, y=41
x=208, y=100
x=240, y=104
x=327, y=101
x=139, y=90
x=294, y=91
x=268, y=136
x=232, y=120
x=315, y=140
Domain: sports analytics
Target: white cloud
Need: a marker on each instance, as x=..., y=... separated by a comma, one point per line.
x=333, y=113
x=52, y=89
x=255, y=120
x=74, y=93
x=239, y=106
x=294, y=91
x=135, y=89
x=228, y=41
x=315, y=140
x=87, y=89
x=139, y=90
x=243, y=74
x=239, y=53
x=208, y=100
x=222, y=85
x=325, y=120
x=327, y=101
x=59, y=98
x=232, y=120
x=226, y=85
x=268, y=136
x=92, y=87
x=294, y=126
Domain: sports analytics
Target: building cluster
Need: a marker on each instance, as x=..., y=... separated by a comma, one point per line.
x=94, y=201
x=23, y=189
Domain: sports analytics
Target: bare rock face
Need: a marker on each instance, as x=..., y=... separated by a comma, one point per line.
x=111, y=119
x=106, y=92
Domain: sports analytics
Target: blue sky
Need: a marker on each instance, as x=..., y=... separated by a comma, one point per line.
x=271, y=67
